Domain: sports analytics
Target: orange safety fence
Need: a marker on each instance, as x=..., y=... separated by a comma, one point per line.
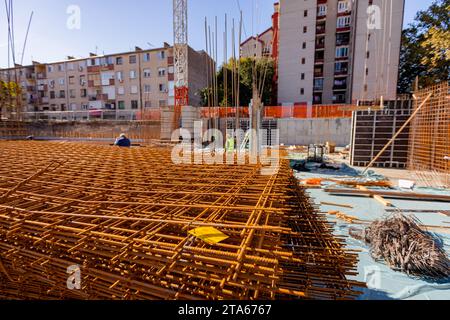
x=282, y=112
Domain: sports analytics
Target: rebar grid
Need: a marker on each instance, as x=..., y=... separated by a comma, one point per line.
x=429, y=149
x=123, y=216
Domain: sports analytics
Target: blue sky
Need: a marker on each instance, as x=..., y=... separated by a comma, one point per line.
x=109, y=26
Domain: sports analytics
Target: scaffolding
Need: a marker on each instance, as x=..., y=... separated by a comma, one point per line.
x=124, y=215
x=429, y=147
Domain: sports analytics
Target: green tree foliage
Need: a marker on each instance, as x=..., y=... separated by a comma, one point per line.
x=426, y=48
x=9, y=91
x=265, y=70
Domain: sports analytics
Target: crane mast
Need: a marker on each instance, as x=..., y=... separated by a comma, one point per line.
x=180, y=29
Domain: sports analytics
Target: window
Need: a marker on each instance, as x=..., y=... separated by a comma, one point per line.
x=70, y=66
x=341, y=52
x=84, y=106
x=341, y=67
x=119, y=61
x=132, y=59
x=134, y=104
x=161, y=72
x=162, y=103
x=133, y=74
x=304, y=45
x=50, y=68
x=162, y=87
x=148, y=104
x=305, y=29
x=303, y=61
x=305, y=13
x=119, y=76
x=62, y=94
x=342, y=39
x=83, y=93
x=339, y=98
x=318, y=84
x=340, y=83
x=162, y=55
x=302, y=76
x=146, y=57
x=60, y=67
x=322, y=10
x=121, y=105
x=81, y=65
x=52, y=95
x=147, y=88
x=134, y=90
x=62, y=81
x=121, y=90
x=82, y=80
x=302, y=91
x=343, y=22
x=71, y=80
x=72, y=93
x=343, y=6
x=147, y=73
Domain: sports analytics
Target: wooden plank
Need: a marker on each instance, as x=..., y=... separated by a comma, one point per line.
x=390, y=194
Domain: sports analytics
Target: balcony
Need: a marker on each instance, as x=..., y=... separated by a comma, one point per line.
x=318, y=88
x=318, y=74
x=320, y=30
x=340, y=87
x=97, y=69
x=344, y=13
x=344, y=42
x=319, y=61
x=343, y=29
x=170, y=61
x=341, y=58
x=320, y=46
x=341, y=72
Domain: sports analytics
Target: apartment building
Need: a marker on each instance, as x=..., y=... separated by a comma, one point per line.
x=338, y=51
x=137, y=80
x=264, y=44
x=258, y=47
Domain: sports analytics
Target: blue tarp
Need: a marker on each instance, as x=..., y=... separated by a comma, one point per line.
x=383, y=282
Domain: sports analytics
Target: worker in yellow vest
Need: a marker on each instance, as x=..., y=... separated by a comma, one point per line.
x=229, y=144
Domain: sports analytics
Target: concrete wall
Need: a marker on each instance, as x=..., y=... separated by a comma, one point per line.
x=95, y=130
x=315, y=131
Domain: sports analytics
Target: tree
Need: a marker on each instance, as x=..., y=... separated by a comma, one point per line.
x=9, y=91
x=425, y=51
x=265, y=70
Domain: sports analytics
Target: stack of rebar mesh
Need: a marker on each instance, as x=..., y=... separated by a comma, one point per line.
x=124, y=217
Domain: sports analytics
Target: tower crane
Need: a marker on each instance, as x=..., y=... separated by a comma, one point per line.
x=180, y=30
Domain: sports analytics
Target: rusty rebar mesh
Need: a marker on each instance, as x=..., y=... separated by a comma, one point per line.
x=403, y=244
x=123, y=216
x=429, y=146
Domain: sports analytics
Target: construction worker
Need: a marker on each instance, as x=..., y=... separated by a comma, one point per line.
x=123, y=141
x=229, y=145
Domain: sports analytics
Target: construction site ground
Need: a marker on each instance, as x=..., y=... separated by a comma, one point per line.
x=382, y=282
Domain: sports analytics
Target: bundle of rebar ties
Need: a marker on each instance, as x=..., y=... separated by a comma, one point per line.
x=403, y=244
